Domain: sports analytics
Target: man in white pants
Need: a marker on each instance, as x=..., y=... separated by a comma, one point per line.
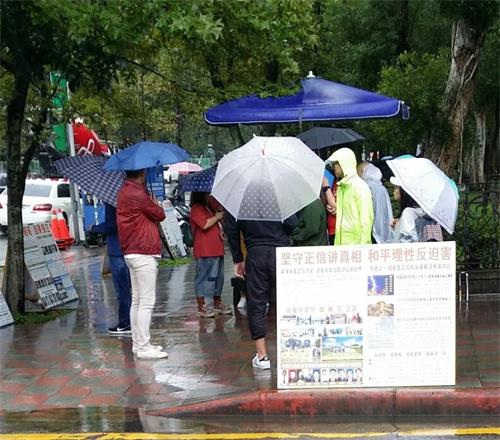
x=138, y=216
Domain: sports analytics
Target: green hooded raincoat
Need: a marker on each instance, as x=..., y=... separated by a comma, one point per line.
x=354, y=203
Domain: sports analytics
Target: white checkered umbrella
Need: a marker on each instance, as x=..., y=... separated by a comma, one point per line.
x=268, y=178
x=88, y=173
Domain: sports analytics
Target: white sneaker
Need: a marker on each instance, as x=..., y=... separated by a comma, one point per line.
x=242, y=304
x=154, y=347
x=151, y=354
x=263, y=364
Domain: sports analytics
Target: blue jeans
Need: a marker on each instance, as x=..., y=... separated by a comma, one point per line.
x=209, y=277
x=121, y=281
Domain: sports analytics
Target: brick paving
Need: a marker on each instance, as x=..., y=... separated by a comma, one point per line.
x=72, y=362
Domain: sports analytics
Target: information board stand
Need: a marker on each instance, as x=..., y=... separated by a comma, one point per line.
x=5, y=315
x=366, y=316
x=48, y=282
x=172, y=232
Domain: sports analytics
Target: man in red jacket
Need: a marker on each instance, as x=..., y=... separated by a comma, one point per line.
x=138, y=216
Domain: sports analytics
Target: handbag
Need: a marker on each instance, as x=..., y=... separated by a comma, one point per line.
x=432, y=232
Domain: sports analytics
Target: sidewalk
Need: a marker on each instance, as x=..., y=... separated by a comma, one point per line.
x=73, y=363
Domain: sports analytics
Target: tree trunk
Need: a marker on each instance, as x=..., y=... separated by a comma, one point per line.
x=15, y=189
x=480, y=144
x=465, y=47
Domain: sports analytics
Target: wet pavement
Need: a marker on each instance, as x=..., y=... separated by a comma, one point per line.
x=69, y=374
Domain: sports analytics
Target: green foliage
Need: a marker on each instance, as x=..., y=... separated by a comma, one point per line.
x=479, y=14
x=174, y=263
x=419, y=80
x=36, y=318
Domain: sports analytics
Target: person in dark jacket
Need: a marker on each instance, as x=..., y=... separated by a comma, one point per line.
x=261, y=240
x=118, y=267
x=312, y=228
x=138, y=217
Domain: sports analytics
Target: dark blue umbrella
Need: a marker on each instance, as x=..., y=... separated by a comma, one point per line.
x=202, y=181
x=317, y=100
x=146, y=155
x=89, y=174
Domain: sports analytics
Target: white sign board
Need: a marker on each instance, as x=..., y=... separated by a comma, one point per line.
x=46, y=267
x=5, y=315
x=172, y=230
x=365, y=316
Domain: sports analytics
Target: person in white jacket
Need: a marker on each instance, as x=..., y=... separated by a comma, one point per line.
x=382, y=208
x=406, y=228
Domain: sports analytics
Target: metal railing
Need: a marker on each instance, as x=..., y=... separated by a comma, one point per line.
x=477, y=231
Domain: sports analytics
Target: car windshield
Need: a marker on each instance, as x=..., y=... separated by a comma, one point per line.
x=36, y=190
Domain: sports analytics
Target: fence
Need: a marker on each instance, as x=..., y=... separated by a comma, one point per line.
x=477, y=231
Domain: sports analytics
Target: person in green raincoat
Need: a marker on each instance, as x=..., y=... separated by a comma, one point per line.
x=354, y=207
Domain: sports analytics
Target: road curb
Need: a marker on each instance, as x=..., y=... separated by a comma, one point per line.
x=358, y=402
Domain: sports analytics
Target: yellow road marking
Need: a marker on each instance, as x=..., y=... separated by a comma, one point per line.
x=248, y=436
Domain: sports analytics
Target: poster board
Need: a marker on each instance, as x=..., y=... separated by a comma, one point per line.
x=155, y=182
x=172, y=231
x=366, y=316
x=5, y=315
x=51, y=284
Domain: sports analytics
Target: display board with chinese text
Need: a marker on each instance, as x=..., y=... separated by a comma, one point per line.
x=364, y=316
x=5, y=315
x=46, y=268
x=172, y=231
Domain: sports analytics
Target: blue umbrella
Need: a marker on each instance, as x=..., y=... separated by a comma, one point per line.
x=89, y=174
x=146, y=155
x=317, y=100
x=202, y=181
x=329, y=176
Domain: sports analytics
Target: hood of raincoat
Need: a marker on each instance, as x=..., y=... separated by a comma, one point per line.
x=372, y=173
x=347, y=161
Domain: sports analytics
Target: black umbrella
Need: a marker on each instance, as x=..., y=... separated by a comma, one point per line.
x=317, y=138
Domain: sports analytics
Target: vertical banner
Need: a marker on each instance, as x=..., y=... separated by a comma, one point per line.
x=355, y=316
x=155, y=182
x=51, y=281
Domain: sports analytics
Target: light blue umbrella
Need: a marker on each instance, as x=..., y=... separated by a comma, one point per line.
x=146, y=155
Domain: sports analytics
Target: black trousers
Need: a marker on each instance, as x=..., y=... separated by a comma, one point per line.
x=260, y=267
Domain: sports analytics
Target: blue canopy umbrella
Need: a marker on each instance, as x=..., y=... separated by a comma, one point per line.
x=146, y=155
x=317, y=100
x=202, y=181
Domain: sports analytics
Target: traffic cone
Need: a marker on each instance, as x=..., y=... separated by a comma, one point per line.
x=63, y=229
x=54, y=226
x=56, y=232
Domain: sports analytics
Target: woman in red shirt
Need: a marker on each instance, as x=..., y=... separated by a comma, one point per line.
x=208, y=250
x=331, y=217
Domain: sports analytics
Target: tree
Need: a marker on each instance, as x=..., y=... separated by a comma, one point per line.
x=81, y=40
x=472, y=20
x=418, y=79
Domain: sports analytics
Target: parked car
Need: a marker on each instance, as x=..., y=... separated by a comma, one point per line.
x=41, y=196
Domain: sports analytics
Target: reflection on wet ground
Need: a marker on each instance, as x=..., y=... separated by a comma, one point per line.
x=69, y=374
